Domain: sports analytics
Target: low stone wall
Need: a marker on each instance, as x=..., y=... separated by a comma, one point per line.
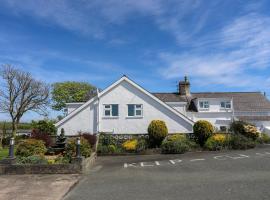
x=78, y=167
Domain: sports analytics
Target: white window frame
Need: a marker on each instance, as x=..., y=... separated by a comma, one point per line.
x=135, y=109
x=110, y=110
x=226, y=103
x=204, y=107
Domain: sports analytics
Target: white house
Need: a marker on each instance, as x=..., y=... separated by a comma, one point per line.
x=126, y=108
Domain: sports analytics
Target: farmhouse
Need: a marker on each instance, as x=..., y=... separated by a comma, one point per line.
x=126, y=108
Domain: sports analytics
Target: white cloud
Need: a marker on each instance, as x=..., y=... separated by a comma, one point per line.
x=241, y=52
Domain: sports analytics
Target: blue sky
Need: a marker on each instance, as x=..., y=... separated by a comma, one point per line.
x=221, y=45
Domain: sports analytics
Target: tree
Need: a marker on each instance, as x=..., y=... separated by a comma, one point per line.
x=21, y=93
x=69, y=92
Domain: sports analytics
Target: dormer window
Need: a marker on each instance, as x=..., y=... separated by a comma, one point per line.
x=225, y=105
x=204, y=104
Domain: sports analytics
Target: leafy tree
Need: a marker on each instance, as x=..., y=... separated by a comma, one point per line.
x=21, y=93
x=45, y=127
x=69, y=92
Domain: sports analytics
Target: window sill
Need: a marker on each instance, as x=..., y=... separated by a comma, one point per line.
x=112, y=117
x=134, y=117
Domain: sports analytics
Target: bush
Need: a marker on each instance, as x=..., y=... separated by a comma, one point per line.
x=45, y=126
x=110, y=149
x=263, y=138
x=175, y=144
x=35, y=159
x=92, y=139
x=36, y=134
x=218, y=141
x=238, y=141
x=157, y=131
x=70, y=150
x=202, y=131
x=130, y=145
x=245, y=129
x=141, y=145
x=30, y=147
x=251, y=131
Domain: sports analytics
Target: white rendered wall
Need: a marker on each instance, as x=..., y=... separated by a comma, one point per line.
x=214, y=105
x=84, y=121
x=124, y=94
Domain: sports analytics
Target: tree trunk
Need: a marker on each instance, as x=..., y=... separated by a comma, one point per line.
x=14, y=128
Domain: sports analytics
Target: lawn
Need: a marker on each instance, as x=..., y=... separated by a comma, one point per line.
x=3, y=153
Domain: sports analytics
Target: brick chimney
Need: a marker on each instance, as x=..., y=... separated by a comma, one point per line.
x=184, y=87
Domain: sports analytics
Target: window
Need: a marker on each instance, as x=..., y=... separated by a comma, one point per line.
x=134, y=110
x=225, y=105
x=223, y=128
x=204, y=104
x=111, y=110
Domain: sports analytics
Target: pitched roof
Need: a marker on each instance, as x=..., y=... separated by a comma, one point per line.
x=254, y=118
x=170, y=97
x=124, y=78
x=242, y=101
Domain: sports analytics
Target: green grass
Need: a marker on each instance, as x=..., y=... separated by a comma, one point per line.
x=3, y=153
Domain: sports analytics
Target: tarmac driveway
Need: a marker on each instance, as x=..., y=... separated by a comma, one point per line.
x=191, y=176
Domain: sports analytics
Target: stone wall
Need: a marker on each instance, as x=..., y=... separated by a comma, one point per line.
x=77, y=167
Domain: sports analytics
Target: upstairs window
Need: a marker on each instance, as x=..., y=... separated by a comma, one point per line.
x=225, y=105
x=111, y=110
x=204, y=104
x=135, y=110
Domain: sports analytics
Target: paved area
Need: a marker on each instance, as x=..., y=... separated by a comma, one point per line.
x=240, y=175
x=35, y=187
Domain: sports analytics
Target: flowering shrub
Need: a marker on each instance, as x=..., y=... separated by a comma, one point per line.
x=238, y=141
x=130, y=145
x=251, y=131
x=30, y=147
x=217, y=142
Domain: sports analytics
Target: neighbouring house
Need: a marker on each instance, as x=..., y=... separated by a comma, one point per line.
x=126, y=108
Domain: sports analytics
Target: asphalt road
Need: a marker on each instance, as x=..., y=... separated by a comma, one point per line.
x=191, y=176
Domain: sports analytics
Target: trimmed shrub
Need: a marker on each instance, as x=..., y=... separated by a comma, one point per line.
x=90, y=138
x=202, y=131
x=36, y=134
x=35, y=159
x=70, y=150
x=157, y=131
x=218, y=141
x=238, y=141
x=175, y=144
x=45, y=126
x=30, y=147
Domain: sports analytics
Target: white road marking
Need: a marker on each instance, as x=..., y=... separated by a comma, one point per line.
x=175, y=161
x=157, y=163
x=145, y=165
x=223, y=157
x=238, y=157
x=126, y=165
x=198, y=159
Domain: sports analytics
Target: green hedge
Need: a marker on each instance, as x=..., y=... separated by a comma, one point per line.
x=157, y=131
x=202, y=130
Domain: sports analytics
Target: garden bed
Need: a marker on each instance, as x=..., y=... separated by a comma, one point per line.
x=77, y=167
